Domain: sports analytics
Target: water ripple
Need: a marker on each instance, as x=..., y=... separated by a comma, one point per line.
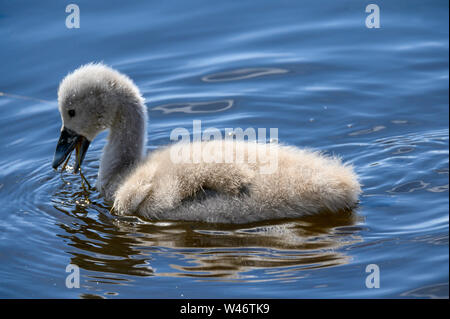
x=242, y=74
x=195, y=107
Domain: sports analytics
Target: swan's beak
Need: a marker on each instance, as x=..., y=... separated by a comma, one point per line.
x=68, y=141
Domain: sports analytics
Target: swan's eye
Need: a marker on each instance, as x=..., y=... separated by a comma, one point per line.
x=71, y=113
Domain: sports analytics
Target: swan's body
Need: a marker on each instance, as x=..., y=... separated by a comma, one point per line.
x=95, y=98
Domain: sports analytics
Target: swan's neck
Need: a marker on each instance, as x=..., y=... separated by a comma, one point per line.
x=124, y=150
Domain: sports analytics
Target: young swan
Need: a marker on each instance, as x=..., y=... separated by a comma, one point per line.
x=95, y=97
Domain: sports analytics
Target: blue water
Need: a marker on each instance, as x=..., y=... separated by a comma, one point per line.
x=376, y=97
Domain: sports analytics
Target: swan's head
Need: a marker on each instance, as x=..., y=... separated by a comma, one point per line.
x=88, y=100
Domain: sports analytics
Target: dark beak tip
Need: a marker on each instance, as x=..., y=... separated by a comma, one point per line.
x=66, y=144
x=57, y=160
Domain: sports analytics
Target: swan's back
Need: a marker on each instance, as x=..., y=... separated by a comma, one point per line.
x=262, y=181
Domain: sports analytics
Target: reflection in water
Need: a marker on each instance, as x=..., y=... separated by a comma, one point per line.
x=196, y=107
x=241, y=74
x=412, y=140
x=403, y=150
x=368, y=131
x=24, y=97
x=114, y=246
x=409, y=187
x=434, y=292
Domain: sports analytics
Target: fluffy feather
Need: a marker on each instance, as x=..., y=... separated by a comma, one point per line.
x=154, y=187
